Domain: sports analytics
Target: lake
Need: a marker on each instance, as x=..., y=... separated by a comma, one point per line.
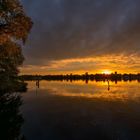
x=79, y=111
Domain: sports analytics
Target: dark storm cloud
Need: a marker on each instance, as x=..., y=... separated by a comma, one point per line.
x=66, y=29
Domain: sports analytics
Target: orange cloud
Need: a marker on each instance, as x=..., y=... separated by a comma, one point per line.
x=120, y=63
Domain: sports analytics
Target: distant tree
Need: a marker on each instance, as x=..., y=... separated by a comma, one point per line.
x=14, y=29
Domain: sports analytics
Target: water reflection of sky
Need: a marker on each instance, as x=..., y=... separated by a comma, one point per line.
x=102, y=90
x=79, y=111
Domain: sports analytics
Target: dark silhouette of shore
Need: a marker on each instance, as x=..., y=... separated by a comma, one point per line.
x=85, y=77
x=11, y=118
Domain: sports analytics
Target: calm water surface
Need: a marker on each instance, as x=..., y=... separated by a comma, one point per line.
x=79, y=111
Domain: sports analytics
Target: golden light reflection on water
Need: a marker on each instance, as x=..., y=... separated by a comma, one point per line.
x=122, y=91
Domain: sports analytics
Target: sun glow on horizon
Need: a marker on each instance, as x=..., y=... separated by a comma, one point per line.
x=106, y=71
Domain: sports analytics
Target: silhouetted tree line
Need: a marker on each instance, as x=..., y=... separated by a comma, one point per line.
x=85, y=77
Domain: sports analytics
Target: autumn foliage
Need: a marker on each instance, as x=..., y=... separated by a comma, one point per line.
x=14, y=28
x=14, y=24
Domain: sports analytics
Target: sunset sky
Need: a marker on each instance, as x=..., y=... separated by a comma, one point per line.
x=82, y=35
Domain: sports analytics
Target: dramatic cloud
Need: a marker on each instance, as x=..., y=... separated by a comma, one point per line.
x=120, y=63
x=81, y=29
